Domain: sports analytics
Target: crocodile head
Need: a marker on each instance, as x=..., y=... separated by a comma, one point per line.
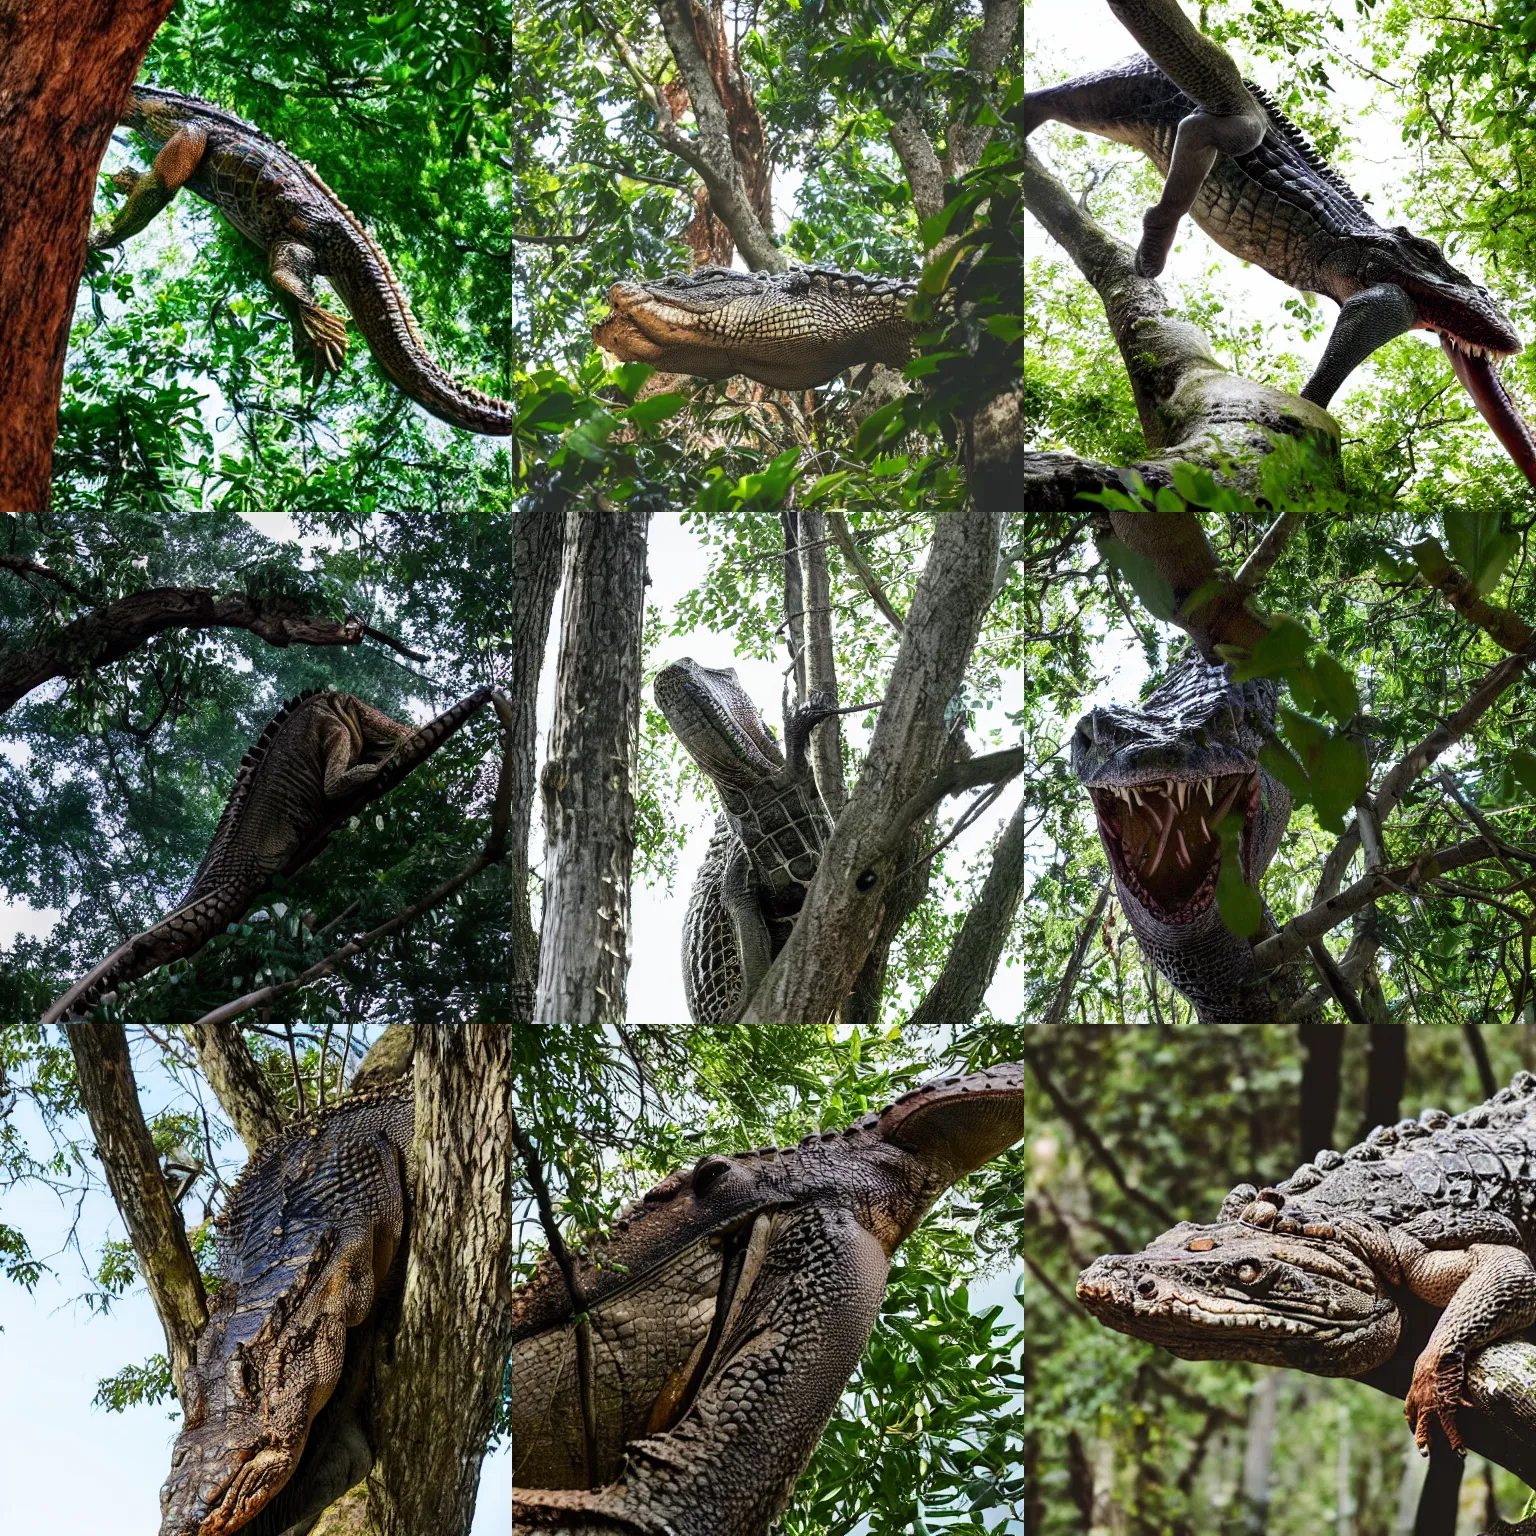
x=791, y=330
x=728, y=1308
x=1473, y=330
x=1163, y=777
x=308, y=1239
x=715, y=719
x=1274, y=1287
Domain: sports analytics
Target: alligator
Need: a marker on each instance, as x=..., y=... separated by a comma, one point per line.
x=766, y=844
x=280, y=203
x=323, y=756
x=1281, y=206
x=1163, y=777
x=727, y=1309
x=311, y=1256
x=1325, y=1271
x=791, y=330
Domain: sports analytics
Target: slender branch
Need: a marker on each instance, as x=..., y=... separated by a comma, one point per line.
x=968, y=773
x=1037, y=1059
x=1269, y=548
x=1504, y=628
x=562, y=1257
x=1314, y=923
x=826, y=746
x=394, y=644
x=842, y=536
x=237, y=1083
x=1068, y=984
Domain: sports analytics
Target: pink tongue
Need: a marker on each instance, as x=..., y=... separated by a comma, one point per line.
x=1480, y=380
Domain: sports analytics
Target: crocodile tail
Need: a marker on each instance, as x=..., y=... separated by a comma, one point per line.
x=362, y=277
x=421, y=744
x=183, y=932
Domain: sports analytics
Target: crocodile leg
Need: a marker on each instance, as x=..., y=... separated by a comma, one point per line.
x=739, y=891
x=153, y=189
x=1488, y=1290
x=1368, y=320
x=1229, y=121
x=319, y=337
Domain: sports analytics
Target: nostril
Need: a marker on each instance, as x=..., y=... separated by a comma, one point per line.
x=1146, y=1287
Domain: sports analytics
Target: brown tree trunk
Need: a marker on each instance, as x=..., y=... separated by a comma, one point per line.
x=65, y=70
x=439, y=1380
x=538, y=538
x=589, y=800
x=111, y=1100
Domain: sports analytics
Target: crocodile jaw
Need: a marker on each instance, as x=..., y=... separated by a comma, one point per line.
x=1481, y=381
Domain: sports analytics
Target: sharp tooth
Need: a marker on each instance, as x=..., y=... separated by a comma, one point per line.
x=1162, y=843
x=1209, y=786
x=1205, y=829
x=1183, y=850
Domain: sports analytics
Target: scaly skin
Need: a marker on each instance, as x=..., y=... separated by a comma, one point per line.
x=767, y=844
x=1280, y=206
x=792, y=329
x=322, y=757
x=1313, y=1273
x=309, y=1242
x=280, y=204
x=1162, y=777
x=728, y=1309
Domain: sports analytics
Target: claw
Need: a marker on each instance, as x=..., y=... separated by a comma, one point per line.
x=1434, y=1395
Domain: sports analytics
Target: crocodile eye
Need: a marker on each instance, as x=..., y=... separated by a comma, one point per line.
x=1248, y=1271
x=1146, y=1287
x=708, y=1173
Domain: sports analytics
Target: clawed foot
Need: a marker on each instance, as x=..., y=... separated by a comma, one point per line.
x=1156, y=243
x=1434, y=1395
x=323, y=347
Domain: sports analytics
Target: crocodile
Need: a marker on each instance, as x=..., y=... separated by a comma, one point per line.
x=281, y=204
x=1163, y=778
x=1281, y=206
x=750, y=1280
x=727, y=1309
x=311, y=1254
x=767, y=841
x=323, y=756
x=1325, y=1272
x=790, y=330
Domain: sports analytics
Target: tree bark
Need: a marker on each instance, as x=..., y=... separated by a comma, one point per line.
x=837, y=926
x=826, y=748
x=237, y=1082
x=1386, y=1059
x=111, y=1100
x=64, y=76
x=957, y=993
x=439, y=1382
x=588, y=782
x=1322, y=1049
x=538, y=540
x=117, y=629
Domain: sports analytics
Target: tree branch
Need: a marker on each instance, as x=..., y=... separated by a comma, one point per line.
x=1504, y=628
x=117, y=629
x=237, y=1083
x=842, y=536
x=812, y=974
x=957, y=992
x=826, y=745
x=111, y=1100
x=1315, y=922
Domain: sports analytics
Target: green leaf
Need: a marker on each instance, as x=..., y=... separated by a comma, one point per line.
x=879, y=428
x=1523, y=764
x=1286, y=768
x=1196, y=486
x=1478, y=546
x=1336, y=689
x=1146, y=581
x=1241, y=907
x=654, y=408
x=1338, y=780
x=1280, y=650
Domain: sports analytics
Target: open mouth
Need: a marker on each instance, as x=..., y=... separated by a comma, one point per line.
x=1162, y=837
x=1474, y=367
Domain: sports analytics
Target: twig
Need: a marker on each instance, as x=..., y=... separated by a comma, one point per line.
x=562, y=1257
x=1264, y=554
x=842, y=536
x=391, y=642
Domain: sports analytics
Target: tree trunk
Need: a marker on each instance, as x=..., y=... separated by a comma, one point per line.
x=1386, y=1059
x=1322, y=1049
x=589, y=803
x=826, y=748
x=64, y=76
x=237, y=1082
x=538, y=538
x=439, y=1381
x=111, y=1100
x=1258, y=1453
